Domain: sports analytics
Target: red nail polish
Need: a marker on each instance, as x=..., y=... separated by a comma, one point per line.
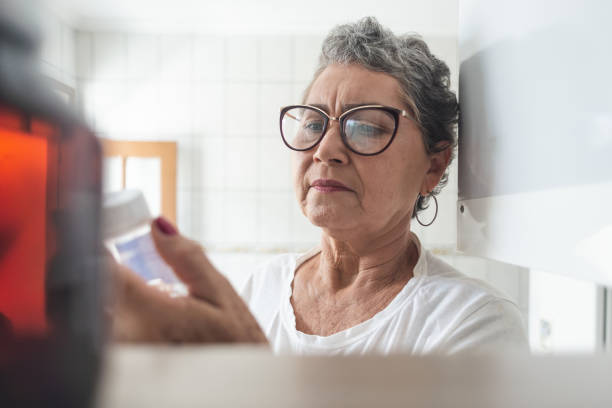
x=165, y=226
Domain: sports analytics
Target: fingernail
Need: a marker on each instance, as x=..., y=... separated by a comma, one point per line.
x=165, y=226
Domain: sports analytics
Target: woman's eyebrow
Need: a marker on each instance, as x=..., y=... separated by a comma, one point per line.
x=320, y=106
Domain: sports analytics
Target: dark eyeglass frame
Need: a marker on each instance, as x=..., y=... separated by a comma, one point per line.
x=395, y=113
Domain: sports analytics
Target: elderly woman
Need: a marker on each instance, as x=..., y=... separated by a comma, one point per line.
x=370, y=146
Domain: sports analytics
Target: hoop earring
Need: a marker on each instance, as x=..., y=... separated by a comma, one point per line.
x=435, y=215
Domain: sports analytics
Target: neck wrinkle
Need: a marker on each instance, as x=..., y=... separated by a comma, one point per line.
x=340, y=267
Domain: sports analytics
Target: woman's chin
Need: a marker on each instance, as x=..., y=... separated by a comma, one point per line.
x=331, y=217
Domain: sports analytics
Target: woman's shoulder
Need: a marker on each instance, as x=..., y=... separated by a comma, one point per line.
x=443, y=278
x=438, y=278
x=474, y=313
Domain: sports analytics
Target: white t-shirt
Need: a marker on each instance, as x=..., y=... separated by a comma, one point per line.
x=439, y=310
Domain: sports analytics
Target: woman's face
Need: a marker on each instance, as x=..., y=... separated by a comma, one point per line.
x=381, y=189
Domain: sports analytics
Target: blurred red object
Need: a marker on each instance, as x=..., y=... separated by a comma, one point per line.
x=23, y=219
x=51, y=284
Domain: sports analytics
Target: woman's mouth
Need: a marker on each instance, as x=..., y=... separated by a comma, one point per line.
x=329, y=186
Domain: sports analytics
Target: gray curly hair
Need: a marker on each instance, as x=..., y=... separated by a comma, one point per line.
x=424, y=79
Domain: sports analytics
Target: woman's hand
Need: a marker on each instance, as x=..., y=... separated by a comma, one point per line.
x=211, y=312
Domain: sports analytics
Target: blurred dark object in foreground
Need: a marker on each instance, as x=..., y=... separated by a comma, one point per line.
x=51, y=322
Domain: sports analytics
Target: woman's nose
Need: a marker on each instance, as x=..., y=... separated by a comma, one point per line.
x=331, y=148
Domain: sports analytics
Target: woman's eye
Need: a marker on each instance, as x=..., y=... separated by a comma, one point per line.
x=366, y=130
x=314, y=126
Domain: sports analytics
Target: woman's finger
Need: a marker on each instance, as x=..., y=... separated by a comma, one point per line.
x=190, y=264
x=142, y=313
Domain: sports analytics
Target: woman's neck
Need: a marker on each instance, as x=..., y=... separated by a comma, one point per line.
x=345, y=264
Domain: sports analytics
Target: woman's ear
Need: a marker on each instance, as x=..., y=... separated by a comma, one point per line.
x=438, y=162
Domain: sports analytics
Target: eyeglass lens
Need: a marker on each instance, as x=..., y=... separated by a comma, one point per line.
x=366, y=131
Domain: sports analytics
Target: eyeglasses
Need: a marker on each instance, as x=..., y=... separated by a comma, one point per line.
x=366, y=130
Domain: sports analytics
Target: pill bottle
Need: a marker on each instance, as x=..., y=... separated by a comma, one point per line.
x=126, y=221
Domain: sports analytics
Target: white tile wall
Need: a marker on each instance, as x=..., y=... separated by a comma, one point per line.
x=241, y=218
x=241, y=163
x=108, y=104
x=241, y=109
x=175, y=109
x=209, y=58
x=143, y=57
x=276, y=59
x=109, y=56
x=275, y=209
x=210, y=163
x=142, y=103
x=208, y=217
x=242, y=58
x=209, y=108
x=274, y=165
x=186, y=157
x=177, y=59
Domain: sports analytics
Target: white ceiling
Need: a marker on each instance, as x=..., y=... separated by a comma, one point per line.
x=428, y=17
